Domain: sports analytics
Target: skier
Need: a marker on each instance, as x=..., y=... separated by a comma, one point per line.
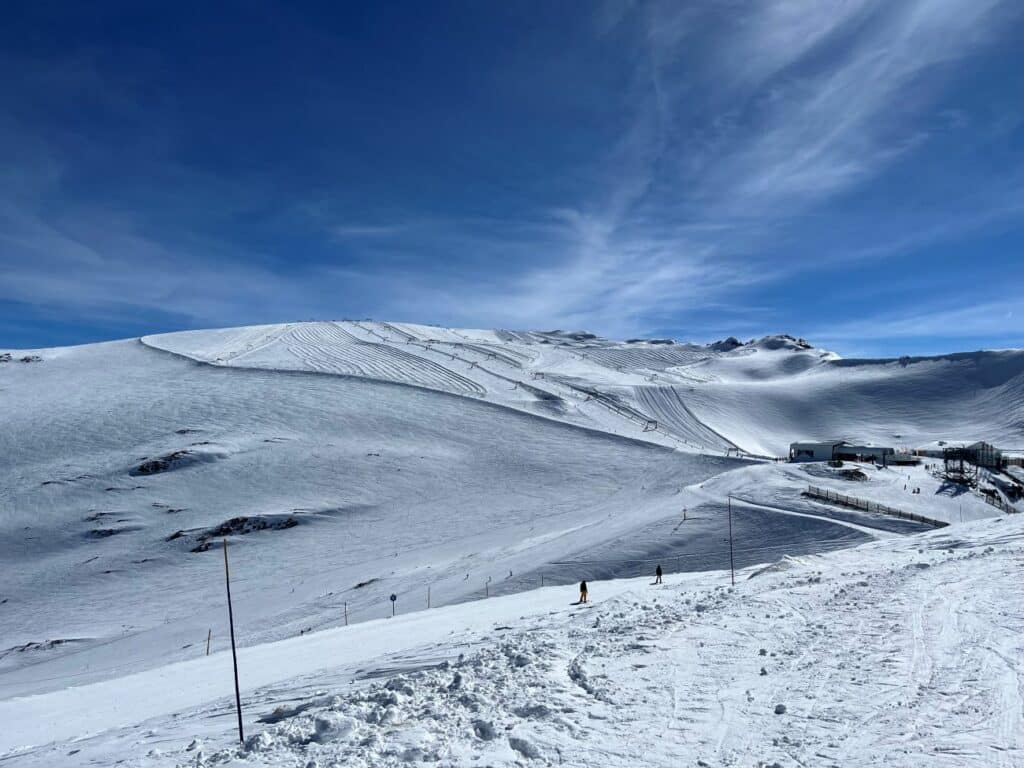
x=657, y=574
x=583, y=591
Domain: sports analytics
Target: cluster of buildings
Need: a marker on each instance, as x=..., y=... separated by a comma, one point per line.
x=841, y=450
x=979, y=454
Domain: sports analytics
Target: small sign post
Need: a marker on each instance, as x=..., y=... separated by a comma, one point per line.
x=394, y=597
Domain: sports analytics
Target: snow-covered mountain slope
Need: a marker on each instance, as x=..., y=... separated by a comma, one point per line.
x=122, y=465
x=899, y=652
x=755, y=397
x=547, y=374
x=765, y=399
x=347, y=461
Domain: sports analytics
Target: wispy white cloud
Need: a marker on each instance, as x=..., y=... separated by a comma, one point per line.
x=849, y=112
x=798, y=125
x=1002, y=319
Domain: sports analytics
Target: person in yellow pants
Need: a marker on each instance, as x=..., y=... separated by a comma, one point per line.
x=583, y=591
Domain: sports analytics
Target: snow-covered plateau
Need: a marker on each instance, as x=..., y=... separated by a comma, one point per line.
x=478, y=476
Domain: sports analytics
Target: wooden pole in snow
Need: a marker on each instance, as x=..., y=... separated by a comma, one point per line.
x=732, y=568
x=234, y=653
x=209, y=632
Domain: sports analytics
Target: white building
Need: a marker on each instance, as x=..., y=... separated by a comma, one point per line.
x=880, y=453
x=814, y=451
x=828, y=450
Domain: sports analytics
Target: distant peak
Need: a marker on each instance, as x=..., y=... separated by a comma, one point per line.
x=570, y=335
x=725, y=345
x=778, y=341
x=782, y=341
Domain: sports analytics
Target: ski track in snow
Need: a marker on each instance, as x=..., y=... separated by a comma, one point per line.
x=324, y=347
x=668, y=407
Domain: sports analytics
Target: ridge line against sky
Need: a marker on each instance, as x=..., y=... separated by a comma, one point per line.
x=847, y=171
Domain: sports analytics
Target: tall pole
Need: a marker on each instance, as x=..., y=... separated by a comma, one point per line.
x=234, y=653
x=732, y=568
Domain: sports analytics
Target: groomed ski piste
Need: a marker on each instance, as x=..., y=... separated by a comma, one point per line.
x=463, y=469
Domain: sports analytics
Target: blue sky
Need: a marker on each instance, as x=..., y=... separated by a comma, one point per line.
x=848, y=171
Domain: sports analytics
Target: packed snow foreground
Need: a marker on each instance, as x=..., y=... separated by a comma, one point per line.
x=478, y=476
x=900, y=652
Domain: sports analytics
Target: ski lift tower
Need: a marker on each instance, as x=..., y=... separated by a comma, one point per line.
x=957, y=466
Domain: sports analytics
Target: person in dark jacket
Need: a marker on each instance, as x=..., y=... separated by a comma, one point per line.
x=657, y=574
x=583, y=591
